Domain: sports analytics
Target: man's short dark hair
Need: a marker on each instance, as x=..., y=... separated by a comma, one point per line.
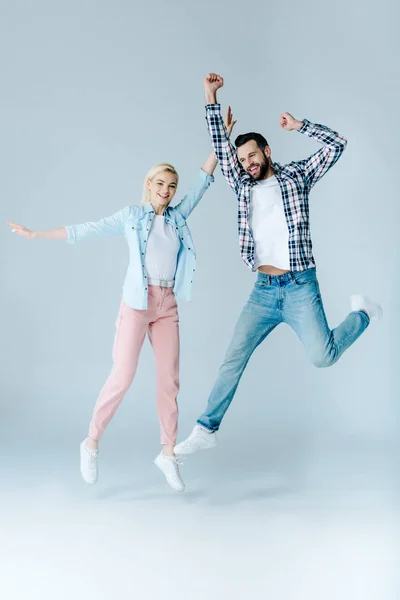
x=247, y=137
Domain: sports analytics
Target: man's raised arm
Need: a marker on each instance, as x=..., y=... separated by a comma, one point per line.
x=315, y=166
x=223, y=148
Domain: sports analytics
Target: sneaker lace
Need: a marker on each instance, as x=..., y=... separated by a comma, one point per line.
x=197, y=433
x=178, y=460
x=92, y=459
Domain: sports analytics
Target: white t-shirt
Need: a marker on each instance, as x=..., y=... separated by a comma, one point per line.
x=268, y=224
x=162, y=250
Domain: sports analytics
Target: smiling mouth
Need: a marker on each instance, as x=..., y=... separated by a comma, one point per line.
x=163, y=197
x=254, y=169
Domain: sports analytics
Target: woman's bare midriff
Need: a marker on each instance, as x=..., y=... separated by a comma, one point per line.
x=269, y=270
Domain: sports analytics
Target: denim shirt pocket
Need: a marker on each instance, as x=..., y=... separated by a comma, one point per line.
x=180, y=228
x=134, y=224
x=179, y=220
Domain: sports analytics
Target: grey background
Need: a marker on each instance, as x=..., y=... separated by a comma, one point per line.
x=93, y=94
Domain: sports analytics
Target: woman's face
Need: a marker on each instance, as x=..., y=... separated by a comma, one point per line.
x=162, y=188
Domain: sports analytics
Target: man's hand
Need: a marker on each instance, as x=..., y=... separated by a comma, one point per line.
x=212, y=83
x=229, y=122
x=289, y=123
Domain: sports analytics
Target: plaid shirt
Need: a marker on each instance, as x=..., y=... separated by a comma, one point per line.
x=295, y=179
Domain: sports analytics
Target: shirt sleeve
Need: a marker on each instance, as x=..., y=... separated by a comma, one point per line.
x=224, y=150
x=315, y=166
x=113, y=225
x=195, y=194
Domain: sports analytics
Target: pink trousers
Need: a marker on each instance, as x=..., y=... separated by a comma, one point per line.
x=161, y=323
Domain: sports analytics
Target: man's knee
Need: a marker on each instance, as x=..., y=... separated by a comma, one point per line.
x=322, y=361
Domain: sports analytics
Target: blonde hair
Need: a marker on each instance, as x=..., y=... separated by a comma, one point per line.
x=155, y=170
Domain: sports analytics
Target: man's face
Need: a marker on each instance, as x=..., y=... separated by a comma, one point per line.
x=254, y=161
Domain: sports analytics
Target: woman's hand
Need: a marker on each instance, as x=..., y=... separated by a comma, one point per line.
x=229, y=122
x=51, y=234
x=22, y=231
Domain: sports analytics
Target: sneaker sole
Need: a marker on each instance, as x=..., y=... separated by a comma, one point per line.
x=86, y=481
x=168, y=480
x=178, y=451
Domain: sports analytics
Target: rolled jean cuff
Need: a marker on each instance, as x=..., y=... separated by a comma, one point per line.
x=365, y=317
x=199, y=422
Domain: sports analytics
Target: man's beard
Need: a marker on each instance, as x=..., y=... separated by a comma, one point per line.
x=263, y=169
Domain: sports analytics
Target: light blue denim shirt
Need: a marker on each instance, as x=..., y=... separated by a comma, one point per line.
x=134, y=222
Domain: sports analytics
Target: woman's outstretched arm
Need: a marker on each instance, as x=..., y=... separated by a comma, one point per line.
x=50, y=234
x=112, y=225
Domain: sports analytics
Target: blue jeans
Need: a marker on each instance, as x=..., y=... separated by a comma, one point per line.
x=293, y=298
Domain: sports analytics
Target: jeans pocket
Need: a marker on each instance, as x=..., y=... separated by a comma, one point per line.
x=301, y=278
x=260, y=285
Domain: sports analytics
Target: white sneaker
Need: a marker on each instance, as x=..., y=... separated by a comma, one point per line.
x=89, y=469
x=373, y=310
x=199, y=439
x=169, y=465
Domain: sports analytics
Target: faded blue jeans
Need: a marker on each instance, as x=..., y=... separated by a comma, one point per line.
x=293, y=298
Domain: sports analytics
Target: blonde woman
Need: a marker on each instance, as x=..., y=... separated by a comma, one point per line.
x=162, y=267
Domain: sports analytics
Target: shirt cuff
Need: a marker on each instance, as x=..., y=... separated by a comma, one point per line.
x=213, y=108
x=71, y=234
x=305, y=127
x=206, y=177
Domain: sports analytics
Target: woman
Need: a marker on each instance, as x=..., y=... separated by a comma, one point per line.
x=162, y=265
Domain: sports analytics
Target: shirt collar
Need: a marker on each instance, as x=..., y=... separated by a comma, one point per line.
x=277, y=168
x=148, y=208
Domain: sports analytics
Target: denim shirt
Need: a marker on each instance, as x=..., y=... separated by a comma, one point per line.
x=134, y=222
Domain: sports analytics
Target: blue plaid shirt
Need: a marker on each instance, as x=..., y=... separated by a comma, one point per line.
x=295, y=179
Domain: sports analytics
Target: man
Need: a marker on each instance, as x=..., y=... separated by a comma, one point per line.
x=274, y=237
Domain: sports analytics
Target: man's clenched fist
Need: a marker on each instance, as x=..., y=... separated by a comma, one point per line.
x=212, y=83
x=289, y=123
